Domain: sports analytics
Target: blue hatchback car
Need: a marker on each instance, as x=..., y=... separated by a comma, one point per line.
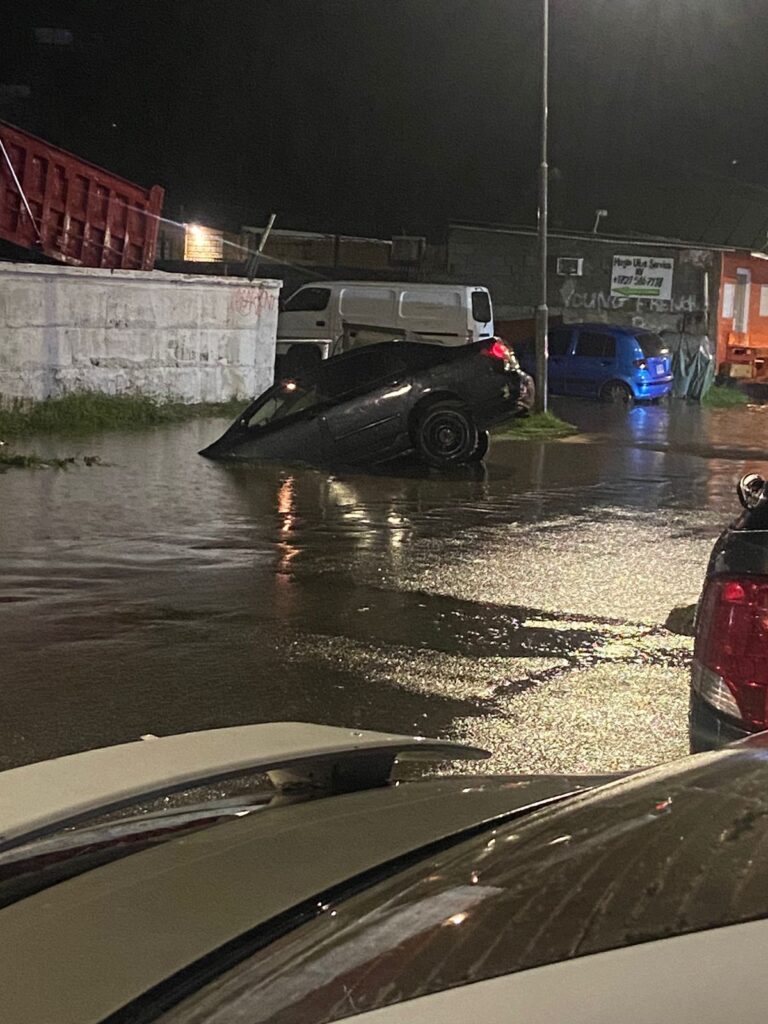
x=606, y=361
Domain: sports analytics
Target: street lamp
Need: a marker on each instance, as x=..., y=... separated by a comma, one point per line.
x=542, y=310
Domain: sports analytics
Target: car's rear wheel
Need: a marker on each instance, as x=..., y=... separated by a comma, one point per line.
x=616, y=393
x=446, y=434
x=483, y=444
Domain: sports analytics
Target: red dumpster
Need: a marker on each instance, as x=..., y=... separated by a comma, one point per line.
x=72, y=210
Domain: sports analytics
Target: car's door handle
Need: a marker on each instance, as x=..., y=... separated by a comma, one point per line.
x=320, y=323
x=606, y=362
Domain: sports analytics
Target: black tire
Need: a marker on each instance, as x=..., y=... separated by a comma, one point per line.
x=446, y=435
x=615, y=392
x=483, y=444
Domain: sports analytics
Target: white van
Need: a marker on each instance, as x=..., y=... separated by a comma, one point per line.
x=314, y=317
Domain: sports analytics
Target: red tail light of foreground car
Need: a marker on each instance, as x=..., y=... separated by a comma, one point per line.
x=730, y=670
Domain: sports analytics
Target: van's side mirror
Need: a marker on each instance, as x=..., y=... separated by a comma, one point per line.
x=751, y=490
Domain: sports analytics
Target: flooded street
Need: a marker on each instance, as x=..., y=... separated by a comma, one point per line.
x=518, y=606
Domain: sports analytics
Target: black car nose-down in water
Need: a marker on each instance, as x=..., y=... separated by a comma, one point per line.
x=382, y=401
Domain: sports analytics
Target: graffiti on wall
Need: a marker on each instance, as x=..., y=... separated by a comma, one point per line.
x=642, y=312
x=253, y=301
x=602, y=301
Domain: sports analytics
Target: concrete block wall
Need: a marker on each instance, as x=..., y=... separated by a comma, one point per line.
x=180, y=337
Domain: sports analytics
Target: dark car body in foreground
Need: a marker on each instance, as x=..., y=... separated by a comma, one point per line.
x=606, y=361
x=382, y=401
x=729, y=679
x=329, y=892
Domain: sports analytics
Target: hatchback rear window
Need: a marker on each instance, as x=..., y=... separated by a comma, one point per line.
x=652, y=345
x=481, y=307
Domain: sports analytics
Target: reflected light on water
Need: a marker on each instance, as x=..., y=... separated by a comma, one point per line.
x=457, y=919
x=285, y=503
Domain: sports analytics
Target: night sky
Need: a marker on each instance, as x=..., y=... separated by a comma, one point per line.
x=382, y=116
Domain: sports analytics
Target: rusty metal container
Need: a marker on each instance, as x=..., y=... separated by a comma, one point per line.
x=70, y=209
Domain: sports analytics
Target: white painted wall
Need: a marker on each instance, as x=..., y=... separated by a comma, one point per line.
x=185, y=337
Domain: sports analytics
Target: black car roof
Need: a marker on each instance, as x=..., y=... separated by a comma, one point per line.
x=403, y=348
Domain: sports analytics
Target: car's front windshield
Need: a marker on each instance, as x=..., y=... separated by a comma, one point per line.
x=286, y=399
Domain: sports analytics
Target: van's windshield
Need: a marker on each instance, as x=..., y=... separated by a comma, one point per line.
x=307, y=300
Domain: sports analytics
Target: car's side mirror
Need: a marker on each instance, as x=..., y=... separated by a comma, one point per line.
x=751, y=490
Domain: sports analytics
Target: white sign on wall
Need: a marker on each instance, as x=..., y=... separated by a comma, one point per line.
x=642, y=277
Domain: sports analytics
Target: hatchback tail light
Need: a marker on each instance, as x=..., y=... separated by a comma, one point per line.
x=640, y=364
x=731, y=653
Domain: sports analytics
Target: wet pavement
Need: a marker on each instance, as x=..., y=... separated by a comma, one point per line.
x=517, y=605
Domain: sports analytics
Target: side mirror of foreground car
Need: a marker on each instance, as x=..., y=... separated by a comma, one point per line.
x=751, y=490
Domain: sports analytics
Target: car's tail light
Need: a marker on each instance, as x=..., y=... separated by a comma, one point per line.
x=498, y=350
x=730, y=667
x=502, y=353
x=640, y=364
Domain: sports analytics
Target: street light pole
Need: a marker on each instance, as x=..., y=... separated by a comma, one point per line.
x=542, y=310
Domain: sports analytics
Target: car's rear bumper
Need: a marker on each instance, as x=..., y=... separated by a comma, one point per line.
x=709, y=730
x=652, y=388
x=510, y=395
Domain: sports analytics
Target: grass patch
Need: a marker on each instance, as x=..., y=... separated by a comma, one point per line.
x=539, y=426
x=90, y=411
x=19, y=460
x=15, y=460
x=719, y=397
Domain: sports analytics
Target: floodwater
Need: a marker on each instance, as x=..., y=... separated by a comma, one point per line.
x=517, y=605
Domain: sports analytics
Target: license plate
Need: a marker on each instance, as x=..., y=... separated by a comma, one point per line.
x=659, y=371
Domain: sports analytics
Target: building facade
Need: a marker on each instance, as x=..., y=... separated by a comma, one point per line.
x=742, y=329
x=655, y=284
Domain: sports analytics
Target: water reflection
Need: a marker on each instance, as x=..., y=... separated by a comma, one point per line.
x=161, y=592
x=285, y=501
